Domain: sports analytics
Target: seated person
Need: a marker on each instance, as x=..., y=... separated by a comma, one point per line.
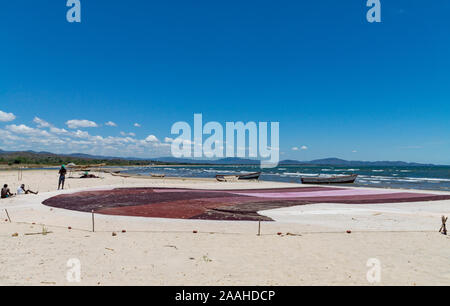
x=87, y=175
x=21, y=190
x=6, y=193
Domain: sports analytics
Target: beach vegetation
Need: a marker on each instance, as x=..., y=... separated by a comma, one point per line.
x=38, y=160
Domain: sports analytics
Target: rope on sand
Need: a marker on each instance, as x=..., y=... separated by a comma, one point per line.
x=234, y=233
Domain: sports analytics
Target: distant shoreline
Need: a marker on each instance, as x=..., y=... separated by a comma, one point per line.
x=51, y=166
x=44, y=159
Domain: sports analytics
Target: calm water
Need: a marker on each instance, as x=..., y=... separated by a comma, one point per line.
x=432, y=178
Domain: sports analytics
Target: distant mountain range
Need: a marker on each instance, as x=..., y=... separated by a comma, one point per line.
x=73, y=155
x=223, y=161
x=342, y=162
x=322, y=162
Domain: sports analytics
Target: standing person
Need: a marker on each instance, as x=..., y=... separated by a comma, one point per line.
x=62, y=177
x=22, y=190
x=6, y=193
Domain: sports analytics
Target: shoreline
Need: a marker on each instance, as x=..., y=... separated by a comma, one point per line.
x=415, y=182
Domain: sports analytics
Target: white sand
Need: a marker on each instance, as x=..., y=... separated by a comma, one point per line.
x=403, y=237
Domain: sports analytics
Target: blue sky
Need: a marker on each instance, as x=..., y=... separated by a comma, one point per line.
x=338, y=85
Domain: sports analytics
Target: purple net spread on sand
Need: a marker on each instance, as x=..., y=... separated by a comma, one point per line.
x=221, y=204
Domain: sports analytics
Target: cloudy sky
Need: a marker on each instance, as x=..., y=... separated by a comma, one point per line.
x=78, y=136
x=339, y=86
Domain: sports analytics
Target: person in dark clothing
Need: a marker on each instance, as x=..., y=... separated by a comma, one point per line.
x=6, y=193
x=62, y=177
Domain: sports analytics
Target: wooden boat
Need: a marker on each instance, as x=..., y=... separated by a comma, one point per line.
x=157, y=175
x=235, y=177
x=250, y=176
x=227, y=178
x=347, y=179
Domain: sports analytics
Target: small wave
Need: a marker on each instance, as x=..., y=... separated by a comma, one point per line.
x=436, y=179
x=224, y=171
x=410, y=180
x=376, y=178
x=299, y=174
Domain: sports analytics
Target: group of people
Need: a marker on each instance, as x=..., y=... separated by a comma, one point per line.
x=6, y=192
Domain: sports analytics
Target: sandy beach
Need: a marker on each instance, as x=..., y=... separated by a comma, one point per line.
x=314, y=247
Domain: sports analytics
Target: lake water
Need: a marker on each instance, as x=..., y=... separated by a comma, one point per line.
x=431, y=178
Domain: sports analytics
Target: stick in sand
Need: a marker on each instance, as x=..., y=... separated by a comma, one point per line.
x=19, y=174
x=259, y=228
x=443, y=228
x=8, y=215
x=41, y=233
x=93, y=223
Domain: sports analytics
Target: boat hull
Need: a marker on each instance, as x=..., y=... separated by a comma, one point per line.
x=348, y=179
x=249, y=176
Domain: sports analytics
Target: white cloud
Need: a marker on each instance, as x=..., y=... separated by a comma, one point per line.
x=46, y=137
x=127, y=134
x=354, y=151
x=10, y=136
x=74, y=124
x=137, y=125
x=301, y=148
x=41, y=123
x=6, y=117
x=110, y=123
x=151, y=138
x=44, y=124
x=26, y=130
x=58, y=131
x=81, y=134
x=168, y=140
